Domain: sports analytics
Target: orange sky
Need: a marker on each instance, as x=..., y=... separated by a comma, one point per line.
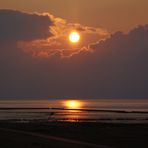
x=113, y=15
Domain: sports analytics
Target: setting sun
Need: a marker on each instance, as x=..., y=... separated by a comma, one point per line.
x=74, y=37
x=72, y=104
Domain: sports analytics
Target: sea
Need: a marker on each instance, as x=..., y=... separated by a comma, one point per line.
x=75, y=110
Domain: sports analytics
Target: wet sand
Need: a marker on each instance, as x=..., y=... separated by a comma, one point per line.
x=107, y=134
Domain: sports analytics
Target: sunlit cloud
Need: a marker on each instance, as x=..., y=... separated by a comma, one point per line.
x=58, y=44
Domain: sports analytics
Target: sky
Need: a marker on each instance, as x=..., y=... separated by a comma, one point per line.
x=113, y=15
x=37, y=60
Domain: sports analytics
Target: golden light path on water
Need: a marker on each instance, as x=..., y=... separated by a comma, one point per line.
x=72, y=115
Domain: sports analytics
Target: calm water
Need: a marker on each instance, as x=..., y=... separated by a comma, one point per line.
x=47, y=113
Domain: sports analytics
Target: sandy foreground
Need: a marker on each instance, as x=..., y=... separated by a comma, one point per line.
x=73, y=135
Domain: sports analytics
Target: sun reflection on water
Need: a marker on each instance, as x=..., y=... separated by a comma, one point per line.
x=73, y=104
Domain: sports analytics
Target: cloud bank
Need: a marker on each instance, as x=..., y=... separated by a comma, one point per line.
x=99, y=67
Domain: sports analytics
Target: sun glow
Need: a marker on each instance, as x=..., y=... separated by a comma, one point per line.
x=74, y=37
x=73, y=104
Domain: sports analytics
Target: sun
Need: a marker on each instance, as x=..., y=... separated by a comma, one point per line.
x=74, y=37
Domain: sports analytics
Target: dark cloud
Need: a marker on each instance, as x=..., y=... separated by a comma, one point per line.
x=123, y=62
x=16, y=25
x=113, y=68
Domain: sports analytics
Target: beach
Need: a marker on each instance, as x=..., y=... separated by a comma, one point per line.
x=113, y=135
x=98, y=124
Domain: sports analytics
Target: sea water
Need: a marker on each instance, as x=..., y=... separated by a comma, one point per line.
x=98, y=110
